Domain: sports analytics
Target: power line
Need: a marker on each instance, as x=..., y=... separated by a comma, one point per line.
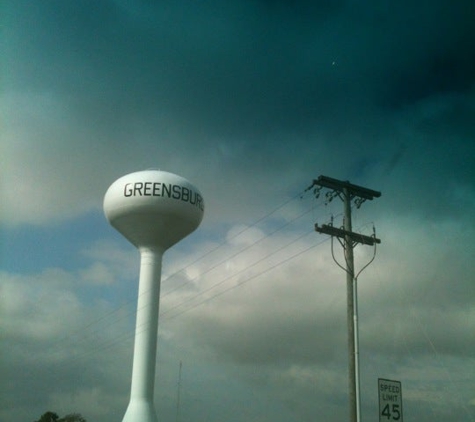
x=121, y=337
x=129, y=334
x=111, y=342
x=234, y=275
x=109, y=315
x=227, y=258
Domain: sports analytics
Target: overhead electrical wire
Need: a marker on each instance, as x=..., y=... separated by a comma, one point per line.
x=164, y=316
x=239, y=252
x=214, y=286
x=95, y=324
x=252, y=277
x=133, y=300
x=130, y=334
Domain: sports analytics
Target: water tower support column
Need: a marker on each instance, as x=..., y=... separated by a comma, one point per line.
x=145, y=347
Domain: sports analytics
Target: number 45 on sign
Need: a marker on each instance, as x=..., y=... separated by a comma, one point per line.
x=390, y=400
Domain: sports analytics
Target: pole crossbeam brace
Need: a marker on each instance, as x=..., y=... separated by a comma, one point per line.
x=340, y=186
x=342, y=233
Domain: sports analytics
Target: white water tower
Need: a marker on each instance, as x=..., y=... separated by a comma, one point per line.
x=154, y=210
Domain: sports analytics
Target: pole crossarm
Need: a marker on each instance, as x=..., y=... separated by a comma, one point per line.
x=342, y=233
x=340, y=186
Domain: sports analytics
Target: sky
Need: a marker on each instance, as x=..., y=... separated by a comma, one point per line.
x=250, y=100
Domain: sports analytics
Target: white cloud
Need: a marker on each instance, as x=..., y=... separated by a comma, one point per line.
x=279, y=323
x=98, y=273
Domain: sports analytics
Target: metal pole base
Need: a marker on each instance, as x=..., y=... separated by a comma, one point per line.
x=140, y=411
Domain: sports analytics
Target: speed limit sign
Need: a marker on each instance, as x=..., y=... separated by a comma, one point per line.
x=390, y=400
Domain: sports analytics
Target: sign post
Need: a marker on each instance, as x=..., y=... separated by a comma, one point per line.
x=390, y=400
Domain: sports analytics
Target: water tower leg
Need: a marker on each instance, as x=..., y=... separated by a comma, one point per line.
x=141, y=408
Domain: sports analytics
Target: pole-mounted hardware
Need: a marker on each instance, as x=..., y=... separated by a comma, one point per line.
x=338, y=185
x=341, y=233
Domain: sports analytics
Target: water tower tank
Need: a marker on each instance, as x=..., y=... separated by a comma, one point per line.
x=153, y=208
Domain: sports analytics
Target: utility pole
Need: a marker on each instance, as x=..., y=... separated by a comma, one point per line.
x=348, y=192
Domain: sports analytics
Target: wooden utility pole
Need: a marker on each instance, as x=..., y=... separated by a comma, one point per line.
x=348, y=239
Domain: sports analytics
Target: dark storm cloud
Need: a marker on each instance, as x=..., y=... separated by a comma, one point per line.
x=235, y=84
x=243, y=68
